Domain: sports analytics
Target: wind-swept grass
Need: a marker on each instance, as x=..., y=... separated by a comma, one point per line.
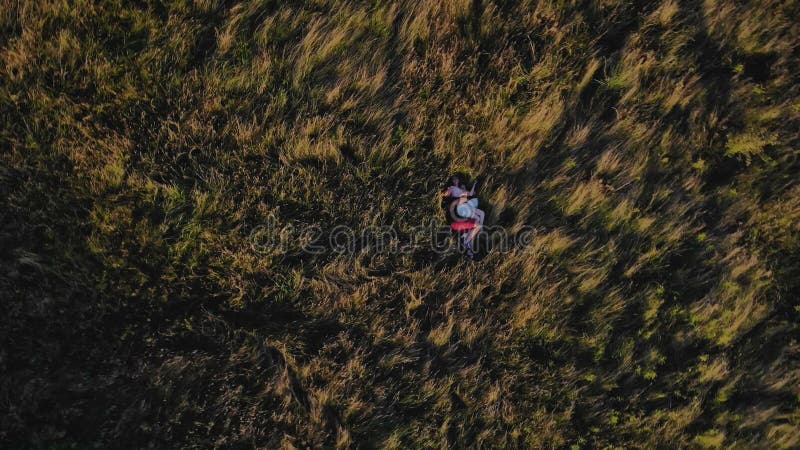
x=652, y=146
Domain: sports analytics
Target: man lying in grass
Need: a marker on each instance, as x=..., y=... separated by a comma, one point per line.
x=464, y=207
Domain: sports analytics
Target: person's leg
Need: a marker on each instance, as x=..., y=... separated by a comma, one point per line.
x=478, y=215
x=469, y=252
x=471, y=235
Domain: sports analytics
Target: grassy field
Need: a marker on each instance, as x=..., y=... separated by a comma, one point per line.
x=653, y=146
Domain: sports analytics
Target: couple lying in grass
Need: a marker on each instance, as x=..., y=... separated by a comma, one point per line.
x=462, y=205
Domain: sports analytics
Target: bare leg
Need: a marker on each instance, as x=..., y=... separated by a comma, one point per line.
x=471, y=235
x=479, y=215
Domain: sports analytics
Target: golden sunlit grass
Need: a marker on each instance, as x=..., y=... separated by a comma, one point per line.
x=651, y=146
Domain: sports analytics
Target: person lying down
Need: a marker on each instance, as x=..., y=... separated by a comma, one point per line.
x=464, y=207
x=467, y=203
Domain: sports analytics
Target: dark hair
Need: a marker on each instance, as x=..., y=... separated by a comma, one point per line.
x=461, y=179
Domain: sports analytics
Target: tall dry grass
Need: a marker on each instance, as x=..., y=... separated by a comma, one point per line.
x=652, y=145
